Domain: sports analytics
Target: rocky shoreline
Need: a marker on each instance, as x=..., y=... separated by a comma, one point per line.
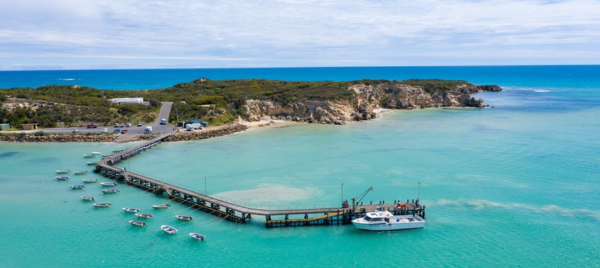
x=57, y=138
x=205, y=134
x=397, y=96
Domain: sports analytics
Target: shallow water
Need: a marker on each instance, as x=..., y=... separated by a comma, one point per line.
x=516, y=185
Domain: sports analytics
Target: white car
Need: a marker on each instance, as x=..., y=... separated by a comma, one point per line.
x=128, y=125
x=105, y=130
x=75, y=131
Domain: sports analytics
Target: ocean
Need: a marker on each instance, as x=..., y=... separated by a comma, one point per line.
x=516, y=185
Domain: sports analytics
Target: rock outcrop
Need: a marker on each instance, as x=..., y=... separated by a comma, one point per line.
x=391, y=95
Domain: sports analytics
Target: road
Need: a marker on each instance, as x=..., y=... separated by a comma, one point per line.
x=165, y=109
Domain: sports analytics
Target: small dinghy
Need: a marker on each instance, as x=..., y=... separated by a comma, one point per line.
x=90, y=180
x=116, y=151
x=96, y=153
x=81, y=172
x=102, y=205
x=62, y=178
x=110, y=191
x=88, y=155
x=168, y=229
x=92, y=163
x=143, y=216
x=88, y=198
x=77, y=187
x=197, y=237
x=161, y=206
x=138, y=223
x=63, y=171
x=131, y=210
x=108, y=184
x=184, y=218
x=105, y=155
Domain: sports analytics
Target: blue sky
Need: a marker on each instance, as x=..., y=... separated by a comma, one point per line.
x=101, y=34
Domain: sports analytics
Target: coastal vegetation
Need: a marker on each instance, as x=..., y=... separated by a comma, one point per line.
x=217, y=102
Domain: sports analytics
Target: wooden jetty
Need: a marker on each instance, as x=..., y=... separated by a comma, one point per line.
x=237, y=213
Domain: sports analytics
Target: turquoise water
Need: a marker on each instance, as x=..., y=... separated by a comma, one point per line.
x=516, y=185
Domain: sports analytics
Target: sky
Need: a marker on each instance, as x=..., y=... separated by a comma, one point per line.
x=133, y=34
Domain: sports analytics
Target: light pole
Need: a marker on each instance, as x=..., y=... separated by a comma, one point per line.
x=342, y=194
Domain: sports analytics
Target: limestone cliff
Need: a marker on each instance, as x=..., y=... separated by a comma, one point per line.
x=392, y=95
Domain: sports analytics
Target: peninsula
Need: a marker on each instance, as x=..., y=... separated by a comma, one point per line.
x=220, y=102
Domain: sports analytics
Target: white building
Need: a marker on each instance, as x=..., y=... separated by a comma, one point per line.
x=127, y=100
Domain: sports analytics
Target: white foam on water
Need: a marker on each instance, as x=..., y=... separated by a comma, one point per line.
x=541, y=91
x=67, y=79
x=485, y=204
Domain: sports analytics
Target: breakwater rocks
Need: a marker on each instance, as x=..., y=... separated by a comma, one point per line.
x=205, y=134
x=390, y=95
x=57, y=138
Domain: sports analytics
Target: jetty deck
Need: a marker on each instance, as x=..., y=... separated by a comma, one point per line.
x=235, y=212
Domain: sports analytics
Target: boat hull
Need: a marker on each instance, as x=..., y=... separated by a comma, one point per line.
x=392, y=223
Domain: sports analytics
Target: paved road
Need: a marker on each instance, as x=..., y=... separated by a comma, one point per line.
x=165, y=109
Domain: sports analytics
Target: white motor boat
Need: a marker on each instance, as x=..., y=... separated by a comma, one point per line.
x=385, y=221
x=161, y=206
x=168, y=229
x=89, y=155
x=81, y=172
x=184, y=218
x=143, y=216
x=197, y=237
x=62, y=178
x=88, y=198
x=138, y=223
x=90, y=180
x=102, y=205
x=92, y=163
x=63, y=171
x=131, y=210
x=77, y=187
x=108, y=184
x=97, y=153
x=110, y=191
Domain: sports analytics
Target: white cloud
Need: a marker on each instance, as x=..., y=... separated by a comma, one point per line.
x=301, y=33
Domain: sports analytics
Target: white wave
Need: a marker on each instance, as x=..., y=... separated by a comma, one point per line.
x=67, y=79
x=484, y=204
x=541, y=91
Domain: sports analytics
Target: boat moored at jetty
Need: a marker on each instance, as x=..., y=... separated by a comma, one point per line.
x=63, y=171
x=138, y=223
x=197, y=237
x=81, y=172
x=184, y=218
x=385, y=221
x=77, y=187
x=96, y=153
x=62, y=178
x=89, y=155
x=92, y=163
x=88, y=198
x=108, y=184
x=102, y=205
x=116, y=151
x=168, y=229
x=143, y=216
x=163, y=206
x=90, y=180
x=131, y=210
x=110, y=191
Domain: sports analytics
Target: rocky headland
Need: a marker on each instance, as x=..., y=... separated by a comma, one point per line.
x=367, y=99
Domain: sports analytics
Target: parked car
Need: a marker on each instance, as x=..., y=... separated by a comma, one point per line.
x=116, y=124
x=122, y=124
x=75, y=131
x=105, y=130
x=128, y=125
x=163, y=121
x=124, y=131
x=90, y=126
x=95, y=126
x=139, y=124
x=117, y=130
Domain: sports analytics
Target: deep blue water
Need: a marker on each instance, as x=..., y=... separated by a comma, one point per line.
x=521, y=76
